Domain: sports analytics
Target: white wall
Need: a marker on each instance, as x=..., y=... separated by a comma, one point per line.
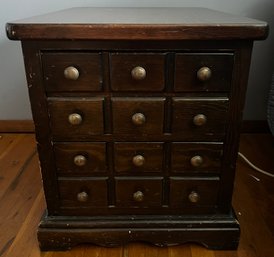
x=14, y=103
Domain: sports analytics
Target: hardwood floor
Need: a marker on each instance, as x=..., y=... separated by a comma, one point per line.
x=22, y=204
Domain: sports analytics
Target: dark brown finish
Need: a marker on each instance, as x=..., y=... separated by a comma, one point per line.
x=215, y=111
x=90, y=109
x=216, y=238
x=237, y=97
x=123, y=63
x=182, y=142
x=88, y=65
x=94, y=153
x=188, y=64
x=94, y=188
x=134, y=32
x=124, y=108
x=27, y=126
x=39, y=106
x=138, y=23
x=151, y=188
x=206, y=188
x=182, y=153
x=124, y=154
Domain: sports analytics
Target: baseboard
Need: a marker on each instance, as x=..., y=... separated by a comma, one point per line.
x=27, y=126
x=16, y=126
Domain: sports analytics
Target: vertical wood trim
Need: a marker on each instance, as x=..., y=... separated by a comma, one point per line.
x=236, y=105
x=40, y=112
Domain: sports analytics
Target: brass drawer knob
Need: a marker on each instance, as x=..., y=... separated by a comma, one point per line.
x=194, y=197
x=204, y=74
x=199, y=120
x=196, y=161
x=82, y=197
x=75, y=119
x=71, y=73
x=80, y=160
x=138, y=160
x=138, y=119
x=138, y=73
x=138, y=196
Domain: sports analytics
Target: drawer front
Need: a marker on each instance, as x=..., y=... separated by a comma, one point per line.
x=76, y=118
x=143, y=193
x=137, y=72
x=200, y=118
x=137, y=158
x=191, y=194
x=203, y=72
x=80, y=159
x=138, y=116
x=72, y=72
x=196, y=157
x=83, y=192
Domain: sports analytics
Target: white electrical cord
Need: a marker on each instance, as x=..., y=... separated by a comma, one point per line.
x=255, y=167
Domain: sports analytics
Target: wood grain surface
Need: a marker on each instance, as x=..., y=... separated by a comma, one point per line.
x=137, y=23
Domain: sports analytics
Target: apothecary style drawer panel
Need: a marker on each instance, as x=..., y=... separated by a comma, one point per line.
x=72, y=72
x=203, y=72
x=138, y=158
x=74, y=118
x=138, y=116
x=200, y=157
x=84, y=192
x=199, y=118
x=80, y=159
x=138, y=192
x=137, y=71
x=191, y=194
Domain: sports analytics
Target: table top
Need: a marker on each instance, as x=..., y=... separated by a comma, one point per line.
x=137, y=23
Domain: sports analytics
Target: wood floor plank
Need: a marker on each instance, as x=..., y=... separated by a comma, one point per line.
x=144, y=250
x=87, y=251
x=252, y=197
x=102, y=251
x=12, y=161
x=200, y=251
x=25, y=242
x=17, y=201
x=179, y=251
x=226, y=253
x=8, y=146
x=256, y=239
x=6, y=140
x=78, y=251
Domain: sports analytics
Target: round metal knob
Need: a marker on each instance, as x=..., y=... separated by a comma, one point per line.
x=138, y=119
x=80, y=160
x=82, y=197
x=138, y=160
x=194, y=197
x=75, y=119
x=204, y=74
x=199, y=119
x=138, y=196
x=196, y=161
x=71, y=73
x=138, y=73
